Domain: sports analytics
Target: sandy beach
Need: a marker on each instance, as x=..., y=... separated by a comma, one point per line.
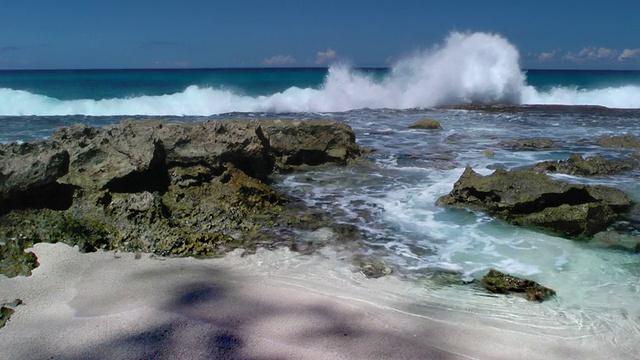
x=271, y=305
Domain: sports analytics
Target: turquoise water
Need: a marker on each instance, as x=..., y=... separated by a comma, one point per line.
x=122, y=84
x=106, y=84
x=393, y=200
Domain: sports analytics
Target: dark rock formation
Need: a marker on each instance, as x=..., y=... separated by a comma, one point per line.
x=595, y=165
x=426, y=124
x=184, y=189
x=527, y=144
x=501, y=283
x=526, y=197
x=621, y=141
x=309, y=142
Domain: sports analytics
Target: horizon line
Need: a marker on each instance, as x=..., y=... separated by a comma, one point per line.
x=276, y=68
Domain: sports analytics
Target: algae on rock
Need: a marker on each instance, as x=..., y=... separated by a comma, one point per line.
x=501, y=283
x=178, y=189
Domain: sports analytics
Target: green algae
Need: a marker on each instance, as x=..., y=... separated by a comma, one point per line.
x=501, y=283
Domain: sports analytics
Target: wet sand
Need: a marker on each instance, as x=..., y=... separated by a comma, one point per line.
x=108, y=305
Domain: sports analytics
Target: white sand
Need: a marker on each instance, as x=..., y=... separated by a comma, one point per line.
x=273, y=305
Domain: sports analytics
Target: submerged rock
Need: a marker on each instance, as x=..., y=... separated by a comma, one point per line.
x=527, y=197
x=527, y=144
x=617, y=240
x=621, y=141
x=426, y=124
x=183, y=189
x=371, y=267
x=487, y=153
x=501, y=283
x=594, y=165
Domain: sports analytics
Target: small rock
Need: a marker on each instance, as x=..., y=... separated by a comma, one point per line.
x=370, y=267
x=527, y=144
x=426, y=124
x=7, y=310
x=501, y=283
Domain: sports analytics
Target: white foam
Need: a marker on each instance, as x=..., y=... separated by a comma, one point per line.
x=613, y=97
x=466, y=68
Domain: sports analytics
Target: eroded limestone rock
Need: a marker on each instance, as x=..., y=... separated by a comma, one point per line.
x=527, y=197
x=184, y=189
x=594, y=165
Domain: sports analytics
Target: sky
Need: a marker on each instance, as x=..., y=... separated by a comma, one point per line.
x=99, y=34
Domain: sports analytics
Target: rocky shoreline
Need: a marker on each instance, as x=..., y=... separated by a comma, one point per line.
x=172, y=189
x=203, y=189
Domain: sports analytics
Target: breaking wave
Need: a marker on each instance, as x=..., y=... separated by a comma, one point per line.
x=477, y=68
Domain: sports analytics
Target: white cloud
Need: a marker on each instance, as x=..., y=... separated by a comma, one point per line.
x=279, y=60
x=324, y=57
x=592, y=53
x=629, y=54
x=546, y=56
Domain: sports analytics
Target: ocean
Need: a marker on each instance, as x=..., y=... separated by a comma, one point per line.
x=392, y=199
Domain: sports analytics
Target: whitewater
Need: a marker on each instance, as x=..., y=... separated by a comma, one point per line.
x=467, y=68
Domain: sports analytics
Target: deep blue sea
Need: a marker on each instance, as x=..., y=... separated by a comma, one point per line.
x=393, y=200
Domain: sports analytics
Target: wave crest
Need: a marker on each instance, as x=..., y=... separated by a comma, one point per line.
x=468, y=68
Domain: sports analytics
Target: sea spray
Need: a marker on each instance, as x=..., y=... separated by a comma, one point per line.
x=467, y=68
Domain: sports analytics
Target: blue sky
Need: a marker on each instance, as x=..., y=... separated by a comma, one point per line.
x=251, y=33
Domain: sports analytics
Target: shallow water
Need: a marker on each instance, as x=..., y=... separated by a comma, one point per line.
x=393, y=201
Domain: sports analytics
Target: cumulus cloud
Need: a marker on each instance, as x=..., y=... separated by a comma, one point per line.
x=545, y=56
x=629, y=54
x=325, y=57
x=279, y=60
x=592, y=53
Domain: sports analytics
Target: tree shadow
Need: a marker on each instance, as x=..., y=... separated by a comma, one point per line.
x=211, y=317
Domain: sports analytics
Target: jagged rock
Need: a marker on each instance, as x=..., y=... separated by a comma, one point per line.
x=309, y=142
x=527, y=144
x=501, y=283
x=167, y=188
x=526, y=197
x=594, y=165
x=426, y=124
x=622, y=141
x=27, y=172
x=571, y=220
x=30, y=165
